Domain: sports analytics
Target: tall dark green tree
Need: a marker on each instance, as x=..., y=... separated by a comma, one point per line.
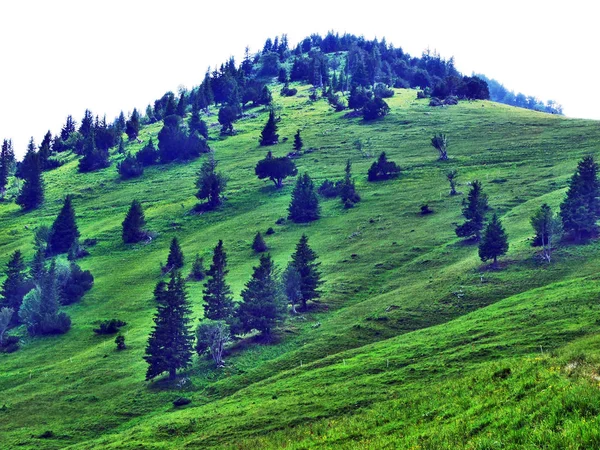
x=64, y=232
x=133, y=225
x=68, y=129
x=261, y=307
x=258, y=244
x=15, y=285
x=298, y=144
x=304, y=260
x=32, y=192
x=304, y=206
x=474, y=211
x=45, y=150
x=348, y=193
x=269, y=135
x=494, y=242
x=7, y=162
x=276, y=169
x=170, y=345
x=218, y=303
x=94, y=158
x=581, y=208
x=132, y=126
x=210, y=183
x=175, y=259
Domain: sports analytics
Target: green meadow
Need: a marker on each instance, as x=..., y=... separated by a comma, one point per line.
x=414, y=344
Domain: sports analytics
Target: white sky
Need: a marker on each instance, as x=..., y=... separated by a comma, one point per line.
x=60, y=57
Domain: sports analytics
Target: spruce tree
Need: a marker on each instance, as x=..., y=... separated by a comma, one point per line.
x=269, y=134
x=38, y=265
x=259, y=245
x=45, y=151
x=132, y=126
x=298, y=144
x=32, y=192
x=5, y=166
x=210, y=183
x=304, y=206
x=64, y=232
x=218, y=304
x=68, y=129
x=494, y=242
x=175, y=259
x=197, y=273
x=581, y=208
x=474, y=211
x=261, y=305
x=15, y=285
x=170, y=344
x=134, y=223
x=305, y=262
x=348, y=193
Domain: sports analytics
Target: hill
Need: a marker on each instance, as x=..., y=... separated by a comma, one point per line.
x=414, y=344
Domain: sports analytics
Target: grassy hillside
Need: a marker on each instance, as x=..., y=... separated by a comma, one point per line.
x=410, y=344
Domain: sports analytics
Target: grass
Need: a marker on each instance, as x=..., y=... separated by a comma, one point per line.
x=409, y=344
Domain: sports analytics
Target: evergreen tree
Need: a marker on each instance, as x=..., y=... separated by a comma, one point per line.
x=87, y=123
x=94, y=158
x=197, y=273
x=38, y=265
x=218, y=304
x=170, y=344
x=304, y=206
x=15, y=285
x=298, y=142
x=210, y=184
x=259, y=245
x=382, y=169
x=494, y=242
x=261, y=305
x=292, y=285
x=548, y=230
x=175, y=259
x=134, y=223
x=348, y=193
x=148, y=155
x=581, y=208
x=6, y=163
x=64, y=232
x=68, y=129
x=181, y=104
x=132, y=126
x=474, y=211
x=130, y=167
x=276, y=169
x=305, y=262
x=32, y=192
x=269, y=134
x=45, y=151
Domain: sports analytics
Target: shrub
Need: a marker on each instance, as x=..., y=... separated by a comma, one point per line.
x=382, y=169
x=148, y=155
x=259, y=245
x=109, y=326
x=181, y=401
x=120, y=341
x=286, y=91
x=382, y=91
x=329, y=189
x=451, y=100
x=421, y=94
x=130, y=167
x=435, y=102
x=270, y=231
x=9, y=344
x=425, y=209
x=375, y=109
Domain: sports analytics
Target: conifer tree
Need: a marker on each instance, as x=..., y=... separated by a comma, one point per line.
x=269, y=135
x=45, y=150
x=494, y=242
x=181, y=105
x=94, y=158
x=68, y=129
x=32, y=192
x=348, y=193
x=210, y=184
x=261, y=305
x=64, y=232
x=581, y=208
x=259, y=245
x=218, y=304
x=175, y=259
x=134, y=223
x=197, y=273
x=298, y=144
x=132, y=126
x=6, y=164
x=305, y=262
x=474, y=211
x=304, y=206
x=15, y=285
x=87, y=123
x=38, y=265
x=170, y=344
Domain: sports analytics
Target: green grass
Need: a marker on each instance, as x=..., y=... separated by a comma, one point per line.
x=411, y=330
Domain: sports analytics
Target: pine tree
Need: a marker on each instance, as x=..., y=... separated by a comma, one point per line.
x=494, y=242
x=304, y=260
x=45, y=150
x=15, y=285
x=68, y=129
x=197, y=273
x=304, y=206
x=32, y=192
x=269, y=135
x=474, y=211
x=218, y=304
x=261, y=305
x=298, y=144
x=38, y=265
x=87, y=123
x=581, y=208
x=548, y=230
x=5, y=165
x=175, y=259
x=210, y=184
x=170, y=344
x=64, y=232
x=134, y=223
x=348, y=193
x=181, y=104
x=259, y=245
x=132, y=126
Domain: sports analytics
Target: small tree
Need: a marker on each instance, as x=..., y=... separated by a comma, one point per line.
x=304, y=206
x=269, y=134
x=548, y=230
x=132, y=126
x=261, y=306
x=134, y=223
x=211, y=337
x=64, y=232
x=175, y=259
x=440, y=143
x=382, y=169
x=259, y=245
x=6, y=315
x=292, y=285
x=227, y=116
x=305, y=262
x=210, y=184
x=276, y=169
x=32, y=192
x=494, y=242
x=120, y=341
x=197, y=273
x=170, y=343
x=347, y=189
x=16, y=285
x=218, y=304
x=474, y=211
x=375, y=108
x=298, y=144
x=130, y=167
x=452, y=175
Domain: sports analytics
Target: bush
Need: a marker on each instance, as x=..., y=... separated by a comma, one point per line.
x=79, y=282
x=425, y=209
x=148, y=155
x=451, y=100
x=286, y=91
x=9, y=344
x=329, y=189
x=130, y=167
x=382, y=169
x=109, y=326
x=421, y=94
x=375, y=109
x=435, y=102
x=382, y=91
x=270, y=231
x=335, y=100
x=120, y=341
x=181, y=401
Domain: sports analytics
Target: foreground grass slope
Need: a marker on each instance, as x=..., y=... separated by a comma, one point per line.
x=408, y=337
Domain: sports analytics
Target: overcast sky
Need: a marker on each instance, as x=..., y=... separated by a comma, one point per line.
x=60, y=57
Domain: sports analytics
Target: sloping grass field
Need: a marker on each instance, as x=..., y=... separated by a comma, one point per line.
x=415, y=343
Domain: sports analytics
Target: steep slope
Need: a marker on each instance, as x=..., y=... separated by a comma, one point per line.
x=409, y=273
